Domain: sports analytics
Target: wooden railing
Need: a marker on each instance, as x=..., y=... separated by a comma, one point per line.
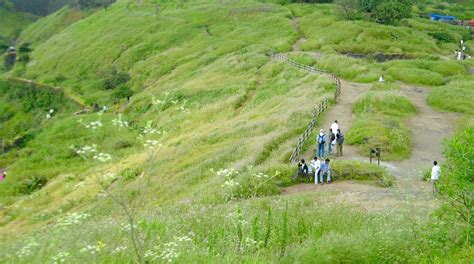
x=318, y=110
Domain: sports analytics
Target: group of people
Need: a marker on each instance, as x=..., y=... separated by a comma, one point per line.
x=319, y=167
x=334, y=138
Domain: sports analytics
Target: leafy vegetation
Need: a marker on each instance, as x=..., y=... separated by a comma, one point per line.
x=455, y=96
x=379, y=123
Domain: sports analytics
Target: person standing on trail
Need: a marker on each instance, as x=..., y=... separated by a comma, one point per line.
x=335, y=126
x=339, y=141
x=321, y=140
x=332, y=141
x=325, y=170
x=381, y=79
x=435, y=172
x=316, y=165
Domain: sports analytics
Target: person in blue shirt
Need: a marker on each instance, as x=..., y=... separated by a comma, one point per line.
x=325, y=170
x=321, y=140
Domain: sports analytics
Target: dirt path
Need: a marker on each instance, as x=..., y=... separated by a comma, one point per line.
x=429, y=127
x=297, y=45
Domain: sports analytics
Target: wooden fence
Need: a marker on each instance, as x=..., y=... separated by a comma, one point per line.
x=318, y=110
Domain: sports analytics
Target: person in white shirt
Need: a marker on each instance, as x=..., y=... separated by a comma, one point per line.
x=381, y=79
x=315, y=164
x=335, y=127
x=435, y=172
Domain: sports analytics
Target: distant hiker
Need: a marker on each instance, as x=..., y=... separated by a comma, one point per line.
x=325, y=171
x=3, y=174
x=435, y=172
x=335, y=126
x=303, y=170
x=104, y=108
x=381, y=79
x=48, y=115
x=51, y=111
x=96, y=107
x=316, y=164
x=128, y=99
x=332, y=141
x=339, y=141
x=321, y=140
x=456, y=54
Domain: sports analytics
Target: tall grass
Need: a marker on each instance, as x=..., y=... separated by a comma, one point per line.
x=456, y=96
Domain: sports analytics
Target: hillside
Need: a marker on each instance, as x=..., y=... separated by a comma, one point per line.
x=11, y=25
x=193, y=166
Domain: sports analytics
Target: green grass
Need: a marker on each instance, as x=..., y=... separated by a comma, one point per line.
x=12, y=24
x=216, y=101
x=387, y=103
x=456, y=96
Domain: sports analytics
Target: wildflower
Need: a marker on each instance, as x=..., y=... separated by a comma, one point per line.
x=230, y=183
x=71, y=219
x=227, y=172
x=120, y=122
x=102, y=157
x=61, y=257
x=86, y=150
x=151, y=144
x=79, y=185
x=109, y=177
x=169, y=252
x=119, y=249
x=93, y=249
x=26, y=250
x=94, y=125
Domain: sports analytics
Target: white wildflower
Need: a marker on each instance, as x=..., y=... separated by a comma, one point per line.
x=93, y=249
x=102, y=157
x=120, y=122
x=26, y=250
x=71, y=219
x=119, y=249
x=61, y=257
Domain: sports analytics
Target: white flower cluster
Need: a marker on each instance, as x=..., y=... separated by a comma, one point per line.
x=227, y=172
x=155, y=101
x=261, y=175
x=183, y=107
x=109, y=177
x=102, y=157
x=149, y=129
x=94, y=125
x=26, y=250
x=151, y=144
x=93, y=249
x=61, y=257
x=119, y=249
x=120, y=122
x=170, y=250
x=86, y=150
x=127, y=227
x=231, y=183
x=71, y=219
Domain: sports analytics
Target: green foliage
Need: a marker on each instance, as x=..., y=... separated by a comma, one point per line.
x=456, y=96
x=416, y=76
x=361, y=171
x=30, y=185
x=392, y=11
x=457, y=182
x=388, y=133
x=113, y=78
x=388, y=103
x=443, y=37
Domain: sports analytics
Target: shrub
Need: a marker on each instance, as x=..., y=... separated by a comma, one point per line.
x=392, y=11
x=389, y=133
x=32, y=184
x=389, y=103
x=111, y=78
x=456, y=96
x=443, y=37
x=361, y=171
x=416, y=76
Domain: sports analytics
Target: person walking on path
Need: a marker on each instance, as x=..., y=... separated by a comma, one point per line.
x=321, y=140
x=316, y=165
x=339, y=142
x=335, y=126
x=332, y=141
x=325, y=171
x=435, y=172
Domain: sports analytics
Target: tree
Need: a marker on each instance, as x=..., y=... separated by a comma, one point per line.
x=392, y=11
x=348, y=8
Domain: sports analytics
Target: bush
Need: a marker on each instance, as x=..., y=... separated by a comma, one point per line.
x=112, y=78
x=456, y=96
x=361, y=171
x=392, y=11
x=389, y=103
x=32, y=184
x=387, y=132
x=443, y=37
x=416, y=76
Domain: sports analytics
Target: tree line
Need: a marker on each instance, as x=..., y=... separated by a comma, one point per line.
x=45, y=7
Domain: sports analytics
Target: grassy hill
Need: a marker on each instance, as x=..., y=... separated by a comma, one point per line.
x=196, y=159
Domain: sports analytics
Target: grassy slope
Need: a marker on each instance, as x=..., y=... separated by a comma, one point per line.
x=12, y=23
x=222, y=103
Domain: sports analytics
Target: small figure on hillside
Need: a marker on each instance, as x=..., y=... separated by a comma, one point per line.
x=325, y=171
x=339, y=141
x=48, y=115
x=381, y=79
x=316, y=165
x=435, y=172
x=96, y=107
x=332, y=141
x=104, y=108
x=321, y=140
x=335, y=126
x=128, y=99
x=51, y=111
x=303, y=170
x=3, y=174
